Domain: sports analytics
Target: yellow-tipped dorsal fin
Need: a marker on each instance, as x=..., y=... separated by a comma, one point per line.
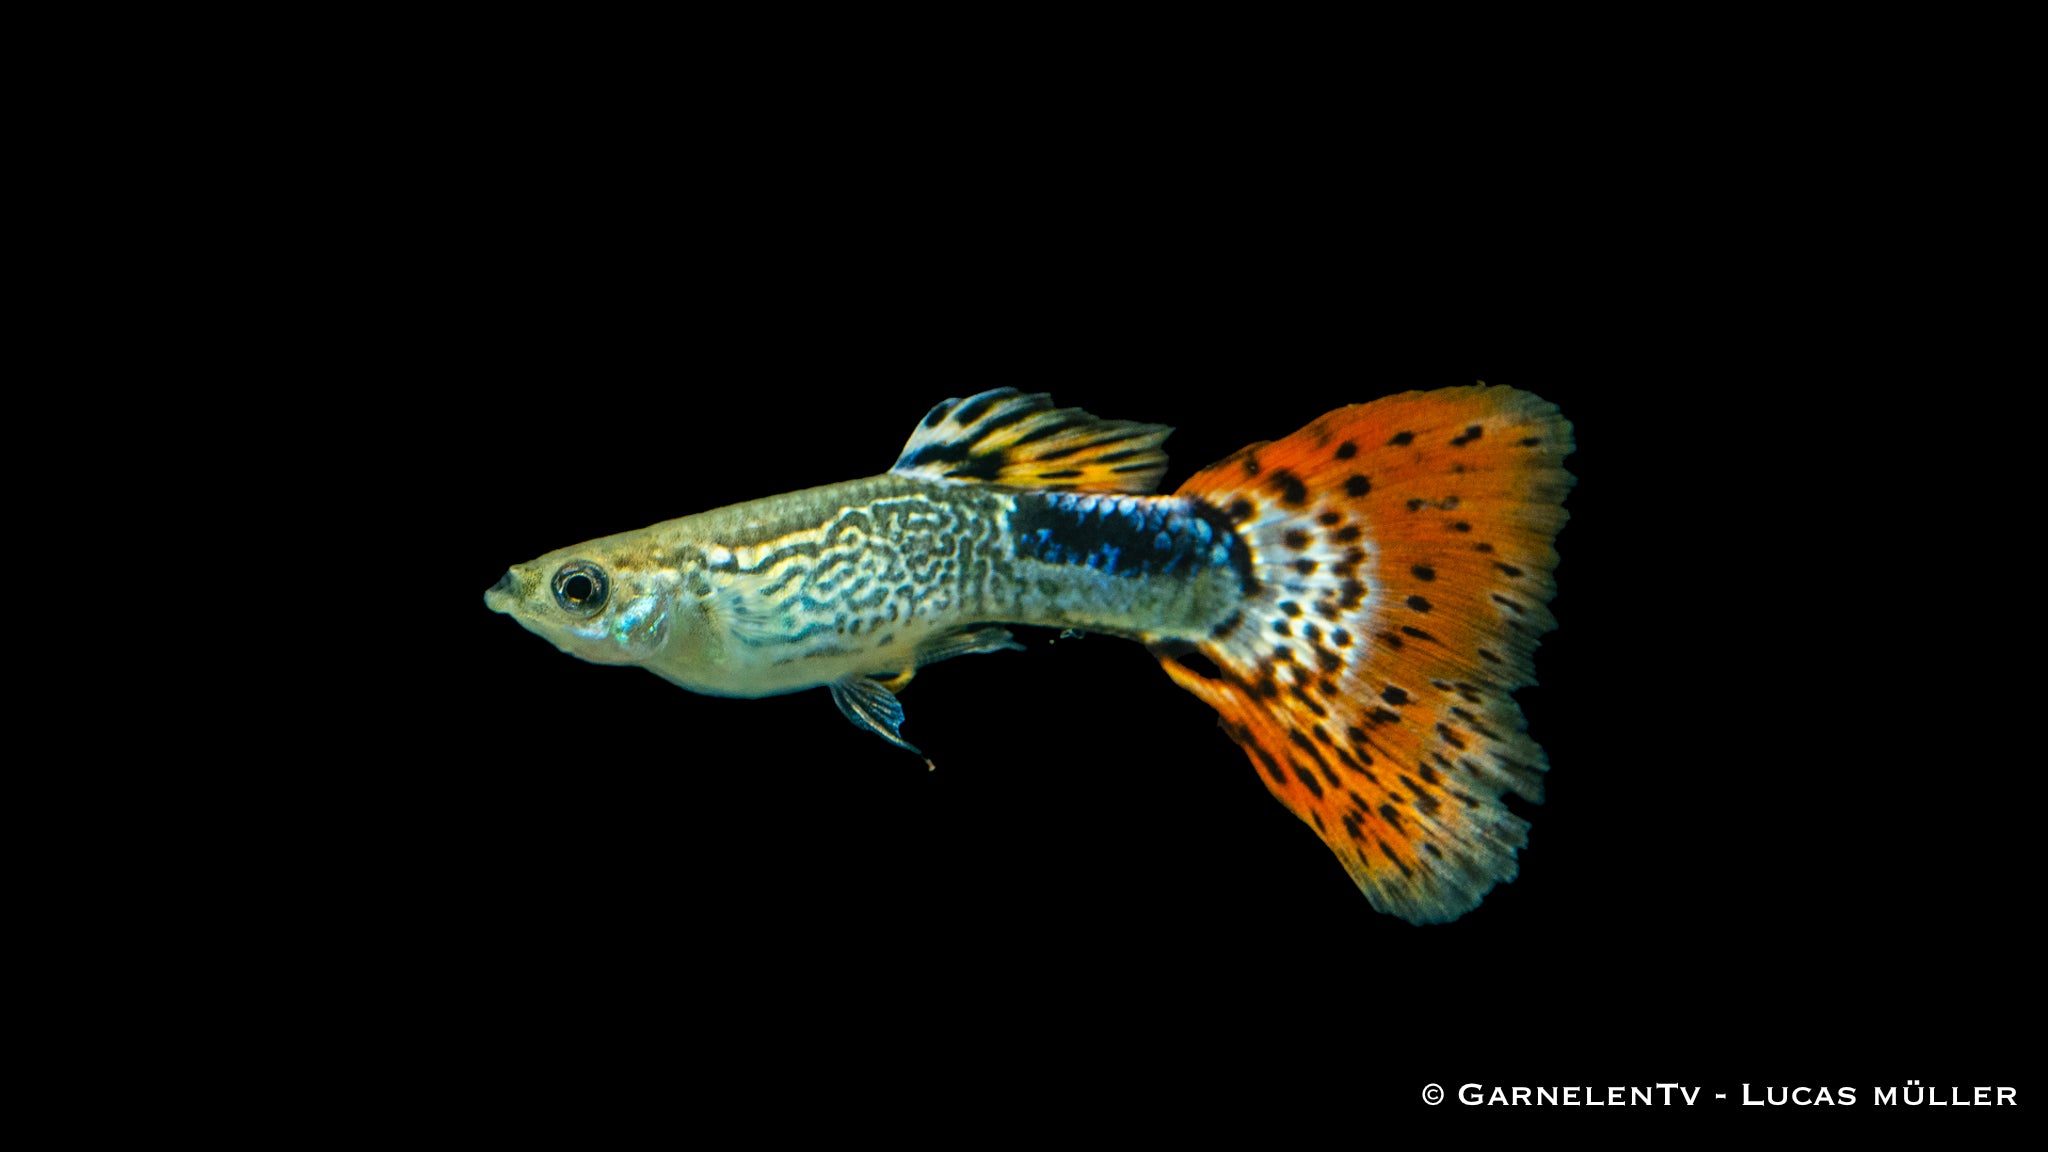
x=1019, y=439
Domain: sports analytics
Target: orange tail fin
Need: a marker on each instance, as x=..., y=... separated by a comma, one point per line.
x=1403, y=552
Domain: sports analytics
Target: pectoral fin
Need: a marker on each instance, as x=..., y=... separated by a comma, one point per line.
x=870, y=705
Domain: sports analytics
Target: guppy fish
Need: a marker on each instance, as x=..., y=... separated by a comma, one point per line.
x=1356, y=601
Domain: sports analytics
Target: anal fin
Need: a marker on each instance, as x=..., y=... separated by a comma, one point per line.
x=870, y=700
x=966, y=643
x=897, y=683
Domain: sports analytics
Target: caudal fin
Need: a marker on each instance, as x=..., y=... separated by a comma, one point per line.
x=1403, y=553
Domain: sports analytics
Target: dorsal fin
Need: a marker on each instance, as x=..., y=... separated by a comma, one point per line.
x=1019, y=439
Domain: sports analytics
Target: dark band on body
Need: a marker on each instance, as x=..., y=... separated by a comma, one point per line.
x=1133, y=536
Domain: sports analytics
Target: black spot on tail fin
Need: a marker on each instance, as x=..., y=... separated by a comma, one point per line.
x=1436, y=509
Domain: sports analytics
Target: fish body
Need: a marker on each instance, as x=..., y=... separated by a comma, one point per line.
x=1356, y=601
x=798, y=591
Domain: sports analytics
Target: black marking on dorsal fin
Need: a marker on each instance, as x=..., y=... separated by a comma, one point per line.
x=1019, y=439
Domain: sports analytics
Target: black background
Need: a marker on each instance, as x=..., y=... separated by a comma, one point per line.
x=562, y=880
x=1724, y=885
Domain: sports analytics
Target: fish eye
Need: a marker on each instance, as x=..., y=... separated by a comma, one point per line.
x=581, y=587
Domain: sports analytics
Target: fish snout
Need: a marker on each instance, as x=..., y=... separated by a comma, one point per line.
x=499, y=597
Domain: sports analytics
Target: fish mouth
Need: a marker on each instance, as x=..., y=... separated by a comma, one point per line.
x=501, y=596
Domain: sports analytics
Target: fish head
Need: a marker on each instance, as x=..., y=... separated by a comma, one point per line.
x=598, y=602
